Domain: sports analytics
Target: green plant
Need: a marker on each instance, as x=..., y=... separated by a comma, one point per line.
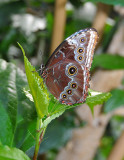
x=47, y=107
x=21, y=128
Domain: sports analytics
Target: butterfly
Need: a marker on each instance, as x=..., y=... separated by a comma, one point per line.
x=66, y=74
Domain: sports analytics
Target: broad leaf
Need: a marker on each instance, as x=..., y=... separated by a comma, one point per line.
x=107, y=61
x=92, y=100
x=6, y=131
x=17, y=112
x=8, y=102
x=117, y=100
x=7, y=153
x=95, y=98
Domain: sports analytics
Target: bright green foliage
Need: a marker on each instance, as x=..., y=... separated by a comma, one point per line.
x=117, y=100
x=7, y=153
x=95, y=98
x=37, y=89
x=17, y=114
x=108, y=61
x=111, y=2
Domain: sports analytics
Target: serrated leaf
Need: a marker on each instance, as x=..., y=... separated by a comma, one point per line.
x=110, y=2
x=7, y=153
x=26, y=112
x=93, y=99
x=50, y=118
x=107, y=61
x=6, y=134
x=38, y=90
x=8, y=99
x=14, y=125
x=117, y=100
x=96, y=98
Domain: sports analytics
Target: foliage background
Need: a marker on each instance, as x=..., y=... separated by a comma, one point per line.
x=32, y=24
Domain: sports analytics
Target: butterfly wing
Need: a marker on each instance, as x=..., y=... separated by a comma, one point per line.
x=67, y=72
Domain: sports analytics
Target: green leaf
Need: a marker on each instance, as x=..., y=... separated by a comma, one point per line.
x=108, y=61
x=8, y=102
x=17, y=116
x=55, y=106
x=95, y=98
x=26, y=116
x=50, y=118
x=6, y=134
x=110, y=2
x=117, y=100
x=7, y=153
x=38, y=90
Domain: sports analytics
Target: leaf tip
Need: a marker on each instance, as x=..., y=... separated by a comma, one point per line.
x=21, y=48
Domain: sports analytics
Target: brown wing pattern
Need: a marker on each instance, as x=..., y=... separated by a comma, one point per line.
x=67, y=71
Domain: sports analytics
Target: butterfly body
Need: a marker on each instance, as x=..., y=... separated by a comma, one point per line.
x=66, y=73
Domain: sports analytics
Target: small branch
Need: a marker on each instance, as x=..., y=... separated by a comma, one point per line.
x=41, y=137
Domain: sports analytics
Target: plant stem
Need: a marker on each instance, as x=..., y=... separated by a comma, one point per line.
x=39, y=136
